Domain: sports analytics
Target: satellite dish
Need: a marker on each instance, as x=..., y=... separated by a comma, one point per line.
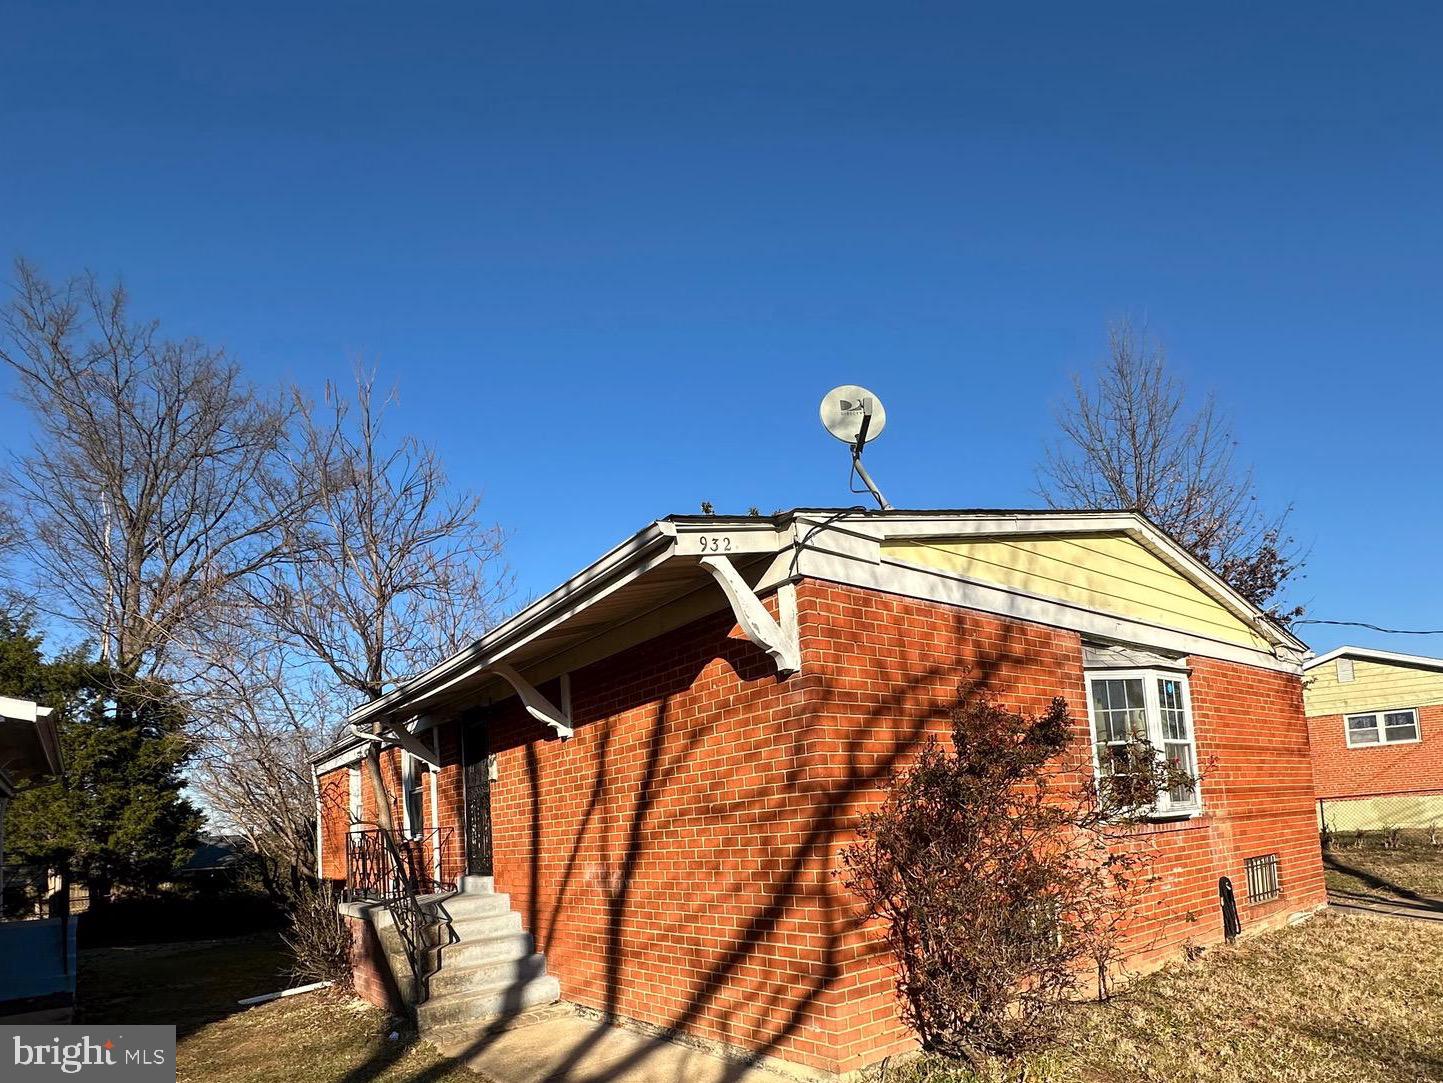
x=855, y=416
x=850, y=412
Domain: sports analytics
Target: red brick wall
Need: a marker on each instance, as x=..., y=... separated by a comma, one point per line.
x=370, y=973
x=676, y=859
x=1375, y=770
x=889, y=666
x=662, y=856
x=335, y=811
x=335, y=802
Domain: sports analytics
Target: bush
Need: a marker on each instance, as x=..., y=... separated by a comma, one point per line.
x=319, y=937
x=995, y=877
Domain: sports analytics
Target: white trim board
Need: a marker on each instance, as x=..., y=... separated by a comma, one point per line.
x=1368, y=654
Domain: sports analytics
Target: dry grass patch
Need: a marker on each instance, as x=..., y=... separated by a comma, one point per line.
x=188, y=984
x=1336, y=1000
x=1413, y=870
x=317, y=1037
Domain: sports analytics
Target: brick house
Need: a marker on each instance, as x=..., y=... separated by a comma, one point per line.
x=643, y=780
x=1375, y=723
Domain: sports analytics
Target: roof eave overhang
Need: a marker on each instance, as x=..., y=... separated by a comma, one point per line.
x=689, y=536
x=1369, y=654
x=619, y=565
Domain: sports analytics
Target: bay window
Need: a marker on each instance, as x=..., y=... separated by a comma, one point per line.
x=1135, y=710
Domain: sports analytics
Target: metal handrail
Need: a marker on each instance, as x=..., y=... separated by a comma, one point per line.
x=394, y=873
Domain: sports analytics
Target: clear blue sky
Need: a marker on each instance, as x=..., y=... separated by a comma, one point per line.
x=613, y=254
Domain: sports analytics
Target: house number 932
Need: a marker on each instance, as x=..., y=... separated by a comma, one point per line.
x=715, y=545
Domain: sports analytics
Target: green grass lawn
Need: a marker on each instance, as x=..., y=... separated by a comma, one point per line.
x=315, y=1038
x=1335, y=1000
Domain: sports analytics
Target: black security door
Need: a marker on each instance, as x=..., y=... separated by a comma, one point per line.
x=477, y=760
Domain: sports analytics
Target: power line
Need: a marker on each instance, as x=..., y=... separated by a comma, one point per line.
x=1376, y=628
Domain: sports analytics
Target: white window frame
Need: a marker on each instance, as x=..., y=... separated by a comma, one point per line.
x=411, y=789
x=1166, y=807
x=1380, y=725
x=355, y=798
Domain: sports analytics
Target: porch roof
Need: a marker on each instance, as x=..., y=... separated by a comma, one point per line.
x=29, y=744
x=669, y=573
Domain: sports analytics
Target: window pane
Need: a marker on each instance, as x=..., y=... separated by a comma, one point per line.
x=1400, y=726
x=1363, y=729
x=1180, y=760
x=1119, y=710
x=1113, y=759
x=1174, y=714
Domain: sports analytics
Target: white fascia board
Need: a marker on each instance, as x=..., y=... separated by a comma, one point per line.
x=728, y=537
x=614, y=569
x=1368, y=654
x=344, y=758
x=984, y=523
x=21, y=710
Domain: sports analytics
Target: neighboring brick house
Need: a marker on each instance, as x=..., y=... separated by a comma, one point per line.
x=660, y=761
x=1375, y=722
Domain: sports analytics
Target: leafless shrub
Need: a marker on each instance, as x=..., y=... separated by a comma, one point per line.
x=319, y=936
x=999, y=877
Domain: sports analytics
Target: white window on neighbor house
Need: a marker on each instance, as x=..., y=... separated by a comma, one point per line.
x=1382, y=728
x=1129, y=707
x=353, y=780
x=1345, y=670
x=412, y=796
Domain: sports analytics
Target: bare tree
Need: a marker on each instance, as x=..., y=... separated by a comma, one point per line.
x=154, y=481
x=392, y=571
x=1130, y=439
x=260, y=724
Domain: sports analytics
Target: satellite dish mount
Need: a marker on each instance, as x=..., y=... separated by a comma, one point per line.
x=855, y=416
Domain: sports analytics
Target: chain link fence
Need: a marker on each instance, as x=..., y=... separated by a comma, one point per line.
x=1381, y=821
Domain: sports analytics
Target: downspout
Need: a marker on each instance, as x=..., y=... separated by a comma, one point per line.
x=320, y=825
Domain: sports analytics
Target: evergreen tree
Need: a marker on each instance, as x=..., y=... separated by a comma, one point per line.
x=120, y=816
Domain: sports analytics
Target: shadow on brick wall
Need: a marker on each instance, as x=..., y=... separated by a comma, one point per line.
x=877, y=734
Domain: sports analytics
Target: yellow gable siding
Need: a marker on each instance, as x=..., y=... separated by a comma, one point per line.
x=1375, y=685
x=1110, y=573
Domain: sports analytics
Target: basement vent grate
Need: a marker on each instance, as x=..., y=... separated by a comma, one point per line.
x=1262, y=874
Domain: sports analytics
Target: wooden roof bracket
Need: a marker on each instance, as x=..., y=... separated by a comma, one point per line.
x=778, y=639
x=397, y=731
x=537, y=705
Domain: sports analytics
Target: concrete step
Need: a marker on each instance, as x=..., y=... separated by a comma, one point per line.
x=491, y=1002
x=478, y=885
x=457, y=978
x=483, y=949
x=481, y=925
x=468, y=906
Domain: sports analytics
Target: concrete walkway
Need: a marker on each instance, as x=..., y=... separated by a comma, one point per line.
x=1377, y=906
x=563, y=1047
